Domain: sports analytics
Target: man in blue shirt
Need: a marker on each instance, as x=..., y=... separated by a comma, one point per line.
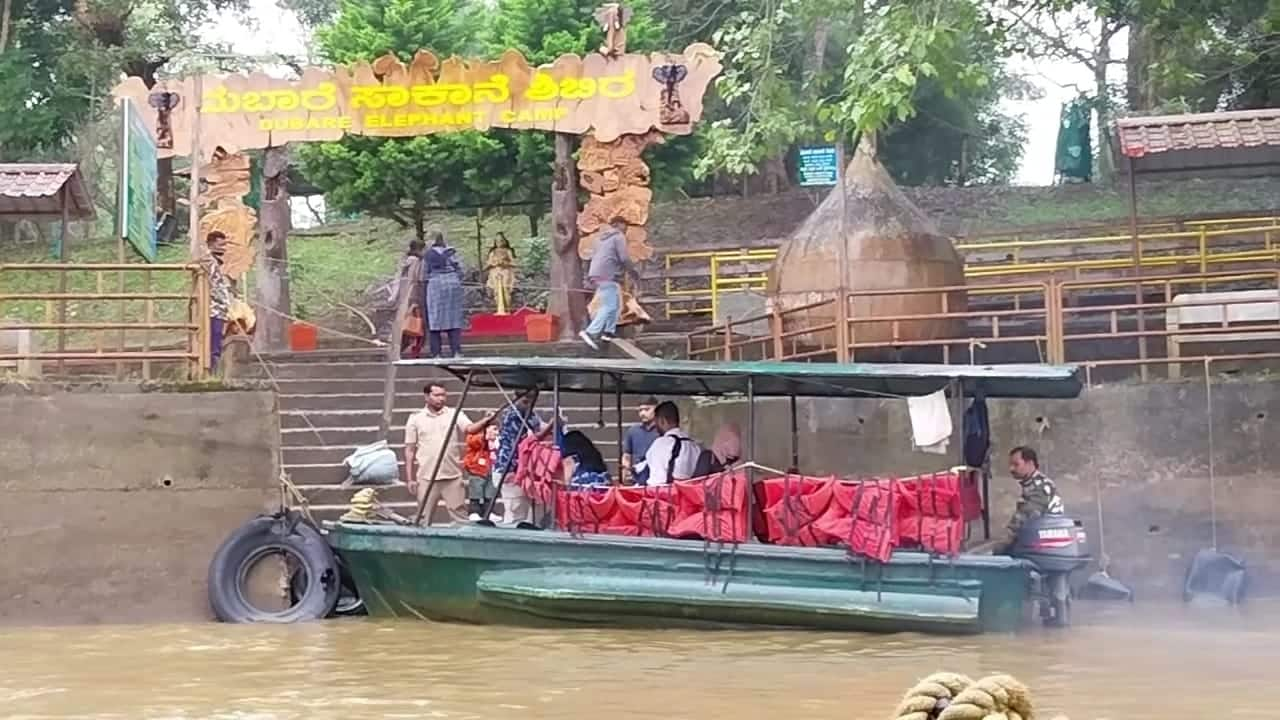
x=636, y=442
x=513, y=424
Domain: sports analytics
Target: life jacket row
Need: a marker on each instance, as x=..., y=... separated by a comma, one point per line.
x=869, y=517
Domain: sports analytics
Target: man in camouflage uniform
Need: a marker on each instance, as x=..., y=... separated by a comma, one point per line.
x=1039, y=495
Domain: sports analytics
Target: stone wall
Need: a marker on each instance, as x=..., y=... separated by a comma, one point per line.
x=1146, y=447
x=115, y=499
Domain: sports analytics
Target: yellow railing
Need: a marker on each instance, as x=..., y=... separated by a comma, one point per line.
x=693, y=281
x=725, y=270
x=133, y=319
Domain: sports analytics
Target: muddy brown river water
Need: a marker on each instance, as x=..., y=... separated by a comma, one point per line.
x=1118, y=662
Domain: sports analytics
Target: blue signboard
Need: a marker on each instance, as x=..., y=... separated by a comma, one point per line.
x=137, y=212
x=818, y=166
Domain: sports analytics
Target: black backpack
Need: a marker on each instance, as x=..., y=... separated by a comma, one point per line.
x=977, y=432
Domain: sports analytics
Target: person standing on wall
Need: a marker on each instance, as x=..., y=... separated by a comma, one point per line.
x=608, y=263
x=219, y=294
x=429, y=432
x=444, y=296
x=636, y=442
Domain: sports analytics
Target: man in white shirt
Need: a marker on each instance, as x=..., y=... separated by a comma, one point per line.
x=674, y=455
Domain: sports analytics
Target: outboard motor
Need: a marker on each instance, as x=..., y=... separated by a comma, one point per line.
x=1057, y=546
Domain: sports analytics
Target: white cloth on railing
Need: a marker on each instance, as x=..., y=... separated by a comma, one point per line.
x=930, y=422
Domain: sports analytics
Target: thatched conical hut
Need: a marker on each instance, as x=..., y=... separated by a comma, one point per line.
x=889, y=244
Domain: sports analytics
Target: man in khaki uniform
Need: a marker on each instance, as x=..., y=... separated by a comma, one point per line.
x=428, y=431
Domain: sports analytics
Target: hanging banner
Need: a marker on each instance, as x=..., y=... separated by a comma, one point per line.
x=136, y=216
x=603, y=95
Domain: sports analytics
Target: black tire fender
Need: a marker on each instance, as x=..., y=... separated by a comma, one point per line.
x=271, y=534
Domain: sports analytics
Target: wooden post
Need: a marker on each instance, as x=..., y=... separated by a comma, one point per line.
x=148, y=287
x=1137, y=266
x=843, y=351
x=567, y=302
x=62, y=278
x=203, y=321
x=407, y=279
x=197, y=248
x=271, y=286
x=775, y=329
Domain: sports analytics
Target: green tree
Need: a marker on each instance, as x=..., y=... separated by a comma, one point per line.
x=543, y=30
x=367, y=29
x=820, y=70
x=962, y=139
x=403, y=179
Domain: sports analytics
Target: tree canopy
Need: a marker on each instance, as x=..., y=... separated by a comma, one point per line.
x=927, y=77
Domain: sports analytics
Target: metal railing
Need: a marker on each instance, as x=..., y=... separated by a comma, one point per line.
x=1113, y=328
x=136, y=320
x=693, y=282
x=693, y=278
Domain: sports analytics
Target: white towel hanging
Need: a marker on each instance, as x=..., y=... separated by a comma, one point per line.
x=930, y=422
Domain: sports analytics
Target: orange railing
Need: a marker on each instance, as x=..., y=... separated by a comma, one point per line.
x=1115, y=327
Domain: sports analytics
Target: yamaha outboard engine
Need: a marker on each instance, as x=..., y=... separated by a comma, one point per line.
x=1057, y=546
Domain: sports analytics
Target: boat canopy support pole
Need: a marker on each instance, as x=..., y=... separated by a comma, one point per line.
x=617, y=394
x=449, y=439
x=505, y=469
x=795, y=437
x=558, y=432
x=751, y=457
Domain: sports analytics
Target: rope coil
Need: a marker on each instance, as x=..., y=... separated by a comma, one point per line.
x=952, y=696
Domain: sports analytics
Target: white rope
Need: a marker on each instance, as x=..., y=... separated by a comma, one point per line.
x=338, y=333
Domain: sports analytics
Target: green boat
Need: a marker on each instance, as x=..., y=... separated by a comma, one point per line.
x=486, y=574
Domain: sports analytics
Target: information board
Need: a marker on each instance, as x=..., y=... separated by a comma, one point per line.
x=137, y=211
x=818, y=166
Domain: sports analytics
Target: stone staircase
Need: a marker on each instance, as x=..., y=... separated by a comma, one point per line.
x=330, y=402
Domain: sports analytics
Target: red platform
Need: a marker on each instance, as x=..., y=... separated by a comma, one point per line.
x=490, y=325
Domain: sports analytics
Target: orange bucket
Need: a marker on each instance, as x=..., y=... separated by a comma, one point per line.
x=541, y=328
x=302, y=337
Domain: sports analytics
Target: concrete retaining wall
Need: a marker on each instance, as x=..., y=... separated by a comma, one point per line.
x=1145, y=446
x=113, y=501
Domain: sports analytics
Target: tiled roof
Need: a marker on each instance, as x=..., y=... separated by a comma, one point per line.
x=1141, y=136
x=32, y=190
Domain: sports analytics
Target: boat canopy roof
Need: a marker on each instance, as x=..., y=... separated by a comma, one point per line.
x=768, y=379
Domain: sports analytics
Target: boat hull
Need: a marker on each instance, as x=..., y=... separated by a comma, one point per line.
x=485, y=575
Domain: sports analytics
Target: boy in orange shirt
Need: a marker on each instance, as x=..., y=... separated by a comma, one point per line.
x=477, y=463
